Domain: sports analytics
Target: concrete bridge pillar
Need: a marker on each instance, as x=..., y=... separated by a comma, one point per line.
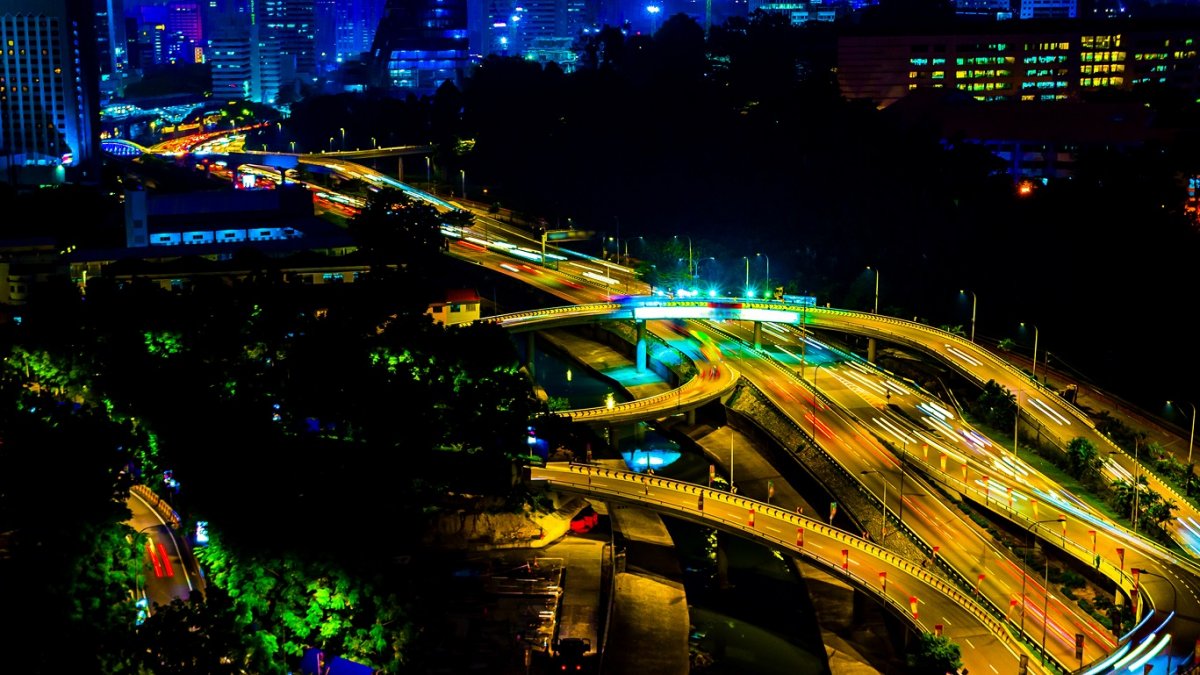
x=871, y=350
x=530, y=350
x=758, y=335
x=641, y=356
x=691, y=417
x=859, y=607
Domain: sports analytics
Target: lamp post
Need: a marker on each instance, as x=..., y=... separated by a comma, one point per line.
x=343, y=130
x=1192, y=437
x=1137, y=571
x=974, y=303
x=463, y=174
x=882, y=502
x=331, y=143
x=876, y=271
x=293, y=144
x=690, y=272
x=428, y=169
x=768, y=259
x=746, y=288
x=1035, y=343
x=1137, y=485
x=374, y=143
x=1025, y=574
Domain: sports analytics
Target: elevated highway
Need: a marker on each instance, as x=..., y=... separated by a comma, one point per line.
x=977, y=478
x=907, y=589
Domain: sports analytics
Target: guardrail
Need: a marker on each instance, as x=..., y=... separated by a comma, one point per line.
x=641, y=482
x=151, y=497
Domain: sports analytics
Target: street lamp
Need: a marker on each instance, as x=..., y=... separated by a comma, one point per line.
x=876, y=271
x=746, y=288
x=974, y=303
x=343, y=130
x=882, y=502
x=374, y=143
x=428, y=165
x=653, y=11
x=331, y=143
x=1174, y=599
x=1191, y=438
x=690, y=274
x=1035, y=341
x=1025, y=574
x=463, y=174
x=293, y=144
x=768, y=259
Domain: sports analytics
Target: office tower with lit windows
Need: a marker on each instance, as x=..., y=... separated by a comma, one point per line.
x=229, y=55
x=420, y=44
x=286, y=35
x=49, y=94
x=111, y=50
x=184, y=33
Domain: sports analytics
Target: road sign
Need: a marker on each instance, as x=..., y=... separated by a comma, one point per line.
x=569, y=235
x=1079, y=645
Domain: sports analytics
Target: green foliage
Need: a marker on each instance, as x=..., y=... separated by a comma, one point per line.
x=996, y=405
x=1083, y=461
x=283, y=604
x=934, y=655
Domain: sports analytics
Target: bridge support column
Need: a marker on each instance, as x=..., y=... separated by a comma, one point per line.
x=641, y=356
x=871, y=350
x=691, y=417
x=530, y=350
x=859, y=607
x=758, y=335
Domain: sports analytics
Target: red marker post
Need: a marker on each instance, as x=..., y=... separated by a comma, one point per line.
x=937, y=630
x=799, y=537
x=979, y=581
x=912, y=603
x=845, y=560
x=883, y=581
x=751, y=517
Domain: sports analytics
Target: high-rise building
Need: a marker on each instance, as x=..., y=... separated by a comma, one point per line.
x=420, y=44
x=1021, y=60
x=1048, y=9
x=49, y=94
x=286, y=32
x=112, y=57
x=356, y=22
x=229, y=56
x=184, y=33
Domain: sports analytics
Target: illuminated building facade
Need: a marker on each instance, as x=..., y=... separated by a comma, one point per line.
x=49, y=94
x=420, y=44
x=1005, y=64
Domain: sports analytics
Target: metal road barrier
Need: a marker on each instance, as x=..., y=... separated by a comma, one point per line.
x=559, y=476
